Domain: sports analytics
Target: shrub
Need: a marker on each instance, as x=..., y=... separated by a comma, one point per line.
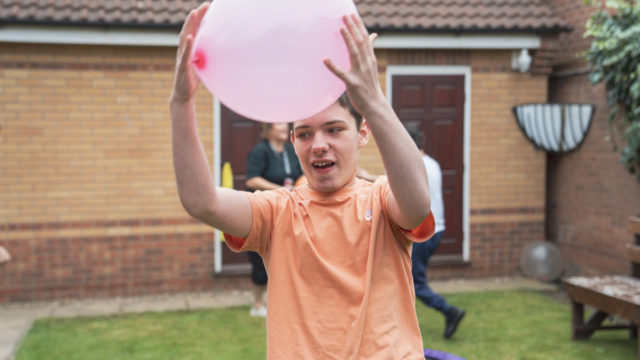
x=614, y=57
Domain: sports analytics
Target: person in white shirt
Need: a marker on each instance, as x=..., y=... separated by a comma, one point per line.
x=421, y=252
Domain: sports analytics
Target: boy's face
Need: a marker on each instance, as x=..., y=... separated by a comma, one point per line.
x=328, y=146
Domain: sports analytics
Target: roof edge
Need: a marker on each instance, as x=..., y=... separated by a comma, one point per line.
x=92, y=24
x=379, y=29
x=84, y=35
x=550, y=30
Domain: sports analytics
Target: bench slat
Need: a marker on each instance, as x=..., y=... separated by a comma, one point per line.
x=613, y=285
x=633, y=253
x=604, y=302
x=618, y=295
x=634, y=224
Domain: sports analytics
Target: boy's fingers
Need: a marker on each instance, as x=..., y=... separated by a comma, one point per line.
x=335, y=69
x=187, y=23
x=372, y=38
x=187, y=49
x=203, y=5
x=200, y=11
x=193, y=20
x=359, y=24
x=360, y=35
x=189, y=28
x=185, y=26
x=353, y=29
x=354, y=51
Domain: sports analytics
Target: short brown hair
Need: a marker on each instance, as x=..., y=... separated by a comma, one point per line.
x=345, y=102
x=264, y=130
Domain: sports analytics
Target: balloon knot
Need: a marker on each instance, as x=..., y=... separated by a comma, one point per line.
x=199, y=59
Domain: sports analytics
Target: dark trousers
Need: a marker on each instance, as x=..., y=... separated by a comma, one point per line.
x=420, y=255
x=258, y=272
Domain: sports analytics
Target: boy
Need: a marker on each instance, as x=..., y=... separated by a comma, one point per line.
x=337, y=250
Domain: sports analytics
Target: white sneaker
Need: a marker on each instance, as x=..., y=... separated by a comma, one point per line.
x=261, y=312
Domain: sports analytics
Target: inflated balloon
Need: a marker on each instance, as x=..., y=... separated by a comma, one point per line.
x=542, y=260
x=264, y=59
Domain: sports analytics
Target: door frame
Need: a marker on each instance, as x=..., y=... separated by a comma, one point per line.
x=217, y=178
x=393, y=70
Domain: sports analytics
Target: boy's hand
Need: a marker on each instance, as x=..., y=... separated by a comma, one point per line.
x=185, y=80
x=363, y=85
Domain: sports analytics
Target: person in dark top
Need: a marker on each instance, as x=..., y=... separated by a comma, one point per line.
x=271, y=164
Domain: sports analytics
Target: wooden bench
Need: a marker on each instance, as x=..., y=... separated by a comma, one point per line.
x=609, y=295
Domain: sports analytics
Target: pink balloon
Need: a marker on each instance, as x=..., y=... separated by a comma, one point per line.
x=264, y=59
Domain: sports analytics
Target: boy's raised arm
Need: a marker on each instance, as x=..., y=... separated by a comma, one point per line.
x=225, y=209
x=410, y=201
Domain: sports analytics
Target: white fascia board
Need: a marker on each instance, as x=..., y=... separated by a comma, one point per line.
x=217, y=178
x=88, y=35
x=163, y=37
x=453, y=41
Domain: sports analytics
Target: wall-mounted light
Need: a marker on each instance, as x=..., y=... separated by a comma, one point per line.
x=556, y=128
x=521, y=60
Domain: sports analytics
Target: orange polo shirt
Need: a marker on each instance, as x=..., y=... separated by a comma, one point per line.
x=340, y=284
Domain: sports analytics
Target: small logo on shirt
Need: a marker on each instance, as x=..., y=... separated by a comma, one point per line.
x=368, y=215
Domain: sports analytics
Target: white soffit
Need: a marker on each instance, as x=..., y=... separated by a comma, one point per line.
x=161, y=37
x=453, y=41
x=88, y=35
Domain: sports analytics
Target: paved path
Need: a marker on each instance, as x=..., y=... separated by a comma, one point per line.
x=16, y=319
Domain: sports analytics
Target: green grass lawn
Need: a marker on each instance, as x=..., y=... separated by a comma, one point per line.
x=499, y=325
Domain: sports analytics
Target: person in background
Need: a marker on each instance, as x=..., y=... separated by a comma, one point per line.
x=271, y=164
x=421, y=252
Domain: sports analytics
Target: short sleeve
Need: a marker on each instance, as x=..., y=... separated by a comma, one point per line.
x=264, y=207
x=423, y=232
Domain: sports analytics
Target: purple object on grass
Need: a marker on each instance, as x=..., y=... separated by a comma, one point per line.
x=431, y=354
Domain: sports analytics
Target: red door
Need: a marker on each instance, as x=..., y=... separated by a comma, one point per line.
x=435, y=103
x=238, y=136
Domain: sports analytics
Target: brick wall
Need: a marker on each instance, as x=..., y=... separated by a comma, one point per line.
x=590, y=195
x=507, y=190
x=86, y=133
x=159, y=257
x=572, y=43
x=88, y=202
